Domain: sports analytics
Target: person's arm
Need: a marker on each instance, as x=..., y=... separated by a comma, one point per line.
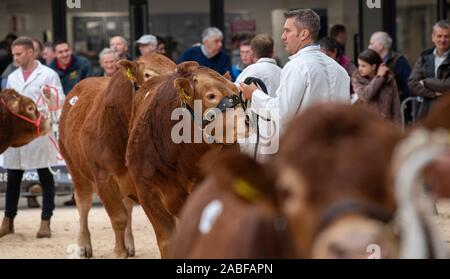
x=403, y=71
x=437, y=85
x=415, y=82
x=396, y=107
x=288, y=98
x=367, y=92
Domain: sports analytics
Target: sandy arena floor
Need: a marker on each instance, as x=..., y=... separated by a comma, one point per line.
x=23, y=244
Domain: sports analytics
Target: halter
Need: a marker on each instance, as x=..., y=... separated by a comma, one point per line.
x=228, y=102
x=341, y=208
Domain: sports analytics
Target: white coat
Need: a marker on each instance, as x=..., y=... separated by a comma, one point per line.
x=310, y=77
x=269, y=72
x=39, y=153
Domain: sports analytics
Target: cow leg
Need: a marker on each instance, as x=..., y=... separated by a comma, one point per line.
x=128, y=191
x=83, y=195
x=129, y=239
x=162, y=221
x=109, y=193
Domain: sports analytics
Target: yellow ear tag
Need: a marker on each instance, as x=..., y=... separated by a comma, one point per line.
x=130, y=74
x=245, y=190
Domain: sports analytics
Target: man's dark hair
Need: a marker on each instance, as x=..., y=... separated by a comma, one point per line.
x=336, y=30
x=306, y=19
x=59, y=42
x=262, y=46
x=23, y=41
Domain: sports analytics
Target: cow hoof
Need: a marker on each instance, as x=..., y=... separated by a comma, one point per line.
x=121, y=255
x=86, y=252
x=131, y=252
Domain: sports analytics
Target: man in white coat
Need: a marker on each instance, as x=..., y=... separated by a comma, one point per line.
x=266, y=69
x=310, y=77
x=31, y=79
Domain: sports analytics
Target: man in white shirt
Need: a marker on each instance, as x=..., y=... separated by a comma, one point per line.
x=311, y=77
x=267, y=70
x=29, y=80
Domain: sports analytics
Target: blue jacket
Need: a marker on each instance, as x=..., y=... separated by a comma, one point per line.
x=79, y=69
x=221, y=63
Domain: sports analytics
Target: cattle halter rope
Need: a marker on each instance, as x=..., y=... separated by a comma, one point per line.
x=48, y=110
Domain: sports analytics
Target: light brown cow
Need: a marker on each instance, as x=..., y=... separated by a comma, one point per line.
x=93, y=141
x=233, y=214
x=164, y=171
x=333, y=189
x=20, y=120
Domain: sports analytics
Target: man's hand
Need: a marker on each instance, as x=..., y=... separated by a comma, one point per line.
x=247, y=90
x=47, y=92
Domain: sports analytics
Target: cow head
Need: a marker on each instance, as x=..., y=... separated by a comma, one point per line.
x=334, y=182
x=146, y=67
x=222, y=115
x=27, y=120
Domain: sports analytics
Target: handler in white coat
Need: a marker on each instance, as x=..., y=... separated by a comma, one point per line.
x=310, y=77
x=31, y=79
x=267, y=70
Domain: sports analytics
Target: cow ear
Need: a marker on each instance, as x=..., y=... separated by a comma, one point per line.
x=129, y=69
x=184, y=89
x=227, y=75
x=186, y=67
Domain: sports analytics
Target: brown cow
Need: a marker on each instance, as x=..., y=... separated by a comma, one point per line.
x=333, y=187
x=93, y=141
x=20, y=121
x=233, y=214
x=165, y=171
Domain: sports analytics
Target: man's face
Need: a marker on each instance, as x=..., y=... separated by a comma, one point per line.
x=118, y=45
x=37, y=50
x=341, y=38
x=375, y=45
x=48, y=54
x=147, y=48
x=213, y=45
x=292, y=37
x=441, y=38
x=247, y=55
x=22, y=55
x=108, y=63
x=161, y=49
x=63, y=53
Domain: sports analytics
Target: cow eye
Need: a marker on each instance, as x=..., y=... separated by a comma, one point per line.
x=147, y=75
x=211, y=96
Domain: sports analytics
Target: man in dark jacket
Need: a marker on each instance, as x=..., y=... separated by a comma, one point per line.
x=430, y=77
x=70, y=68
x=210, y=53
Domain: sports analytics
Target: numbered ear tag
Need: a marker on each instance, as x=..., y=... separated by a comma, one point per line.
x=73, y=101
